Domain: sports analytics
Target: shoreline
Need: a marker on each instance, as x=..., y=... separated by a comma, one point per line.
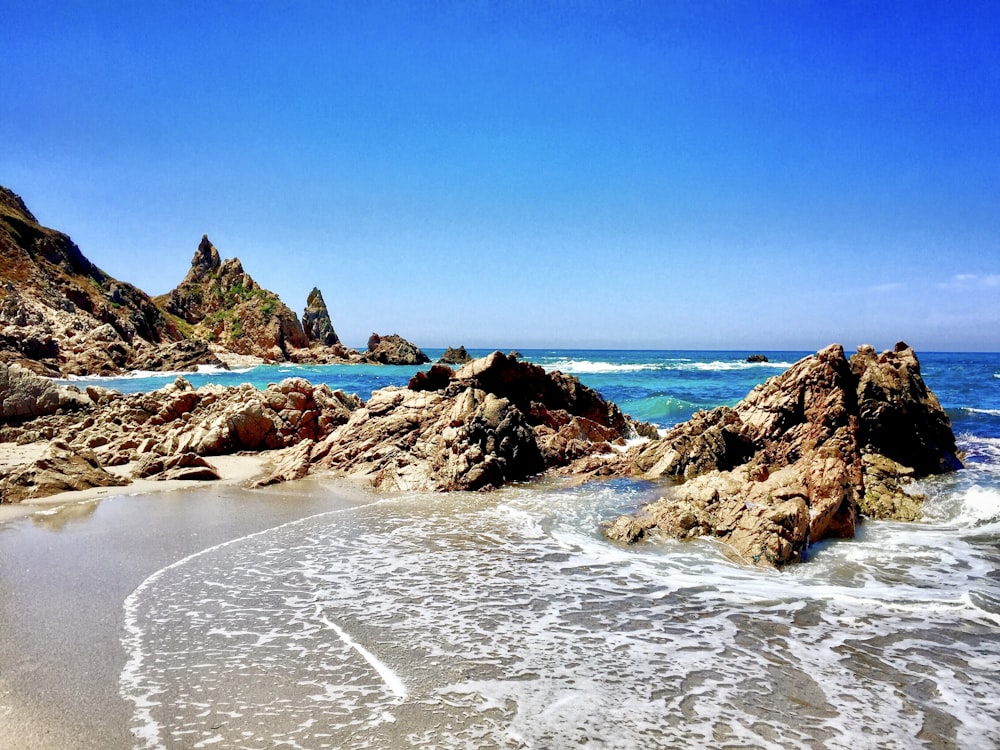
x=70, y=562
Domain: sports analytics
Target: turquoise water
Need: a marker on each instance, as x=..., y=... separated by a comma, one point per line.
x=663, y=387
x=506, y=620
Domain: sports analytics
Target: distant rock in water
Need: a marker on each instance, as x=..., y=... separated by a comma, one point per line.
x=316, y=320
x=226, y=306
x=757, y=358
x=393, y=350
x=455, y=356
x=799, y=458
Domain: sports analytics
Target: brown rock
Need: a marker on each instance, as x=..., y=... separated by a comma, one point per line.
x=289, y=464
x=24, y=395
x=393, y=350
x=61, y=468
x=494, y=421
x=799, y=458
x=180, y=466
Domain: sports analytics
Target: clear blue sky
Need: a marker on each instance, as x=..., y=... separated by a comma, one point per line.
x=634, y=175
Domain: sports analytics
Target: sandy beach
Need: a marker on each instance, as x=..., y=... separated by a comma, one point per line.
x=69, y=563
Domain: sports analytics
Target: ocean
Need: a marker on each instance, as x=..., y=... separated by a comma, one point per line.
x=505, y=620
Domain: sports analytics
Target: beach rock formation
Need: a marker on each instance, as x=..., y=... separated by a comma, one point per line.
x=166, y=429
x=61, y=468
x=494, y=421
x=316, y=320
x=393, y=350
x=178, y=466
x=454, y=356
x=799, y=458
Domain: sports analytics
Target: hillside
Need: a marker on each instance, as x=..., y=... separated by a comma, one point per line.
x=60, y=314
x=224, y=305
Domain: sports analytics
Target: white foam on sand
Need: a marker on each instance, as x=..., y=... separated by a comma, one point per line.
x=134, y=685
x=509, y=621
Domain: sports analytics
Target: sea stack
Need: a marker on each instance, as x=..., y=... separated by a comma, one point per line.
x=393, y=350
x=316, y=320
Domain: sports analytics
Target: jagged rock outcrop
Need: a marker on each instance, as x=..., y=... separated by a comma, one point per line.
x=496, y=420
x=316, y=320
x=799, y=458
x=59, y=313
x=61, y=468
x=454, y=356
x=393, y=350
x=223, y=304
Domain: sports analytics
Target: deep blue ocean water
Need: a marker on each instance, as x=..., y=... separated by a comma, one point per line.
x=506, y=620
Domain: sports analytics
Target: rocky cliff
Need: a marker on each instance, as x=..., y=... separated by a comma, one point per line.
x=62, y=315
x=59, y=313
x=799, y=458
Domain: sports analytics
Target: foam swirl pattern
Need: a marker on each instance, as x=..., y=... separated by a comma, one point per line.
x=506, y=621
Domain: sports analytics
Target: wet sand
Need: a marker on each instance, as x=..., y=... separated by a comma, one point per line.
x=65, y=574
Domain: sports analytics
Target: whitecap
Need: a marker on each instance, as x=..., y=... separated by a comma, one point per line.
x=583, y=366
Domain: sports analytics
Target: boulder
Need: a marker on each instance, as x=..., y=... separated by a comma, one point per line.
x=393, y=350
x=180, y=466
x=799, y=458
x=24, y=395
x=61, y=468
x=288, y=464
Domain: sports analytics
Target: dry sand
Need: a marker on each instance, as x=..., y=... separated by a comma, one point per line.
x=68, y=567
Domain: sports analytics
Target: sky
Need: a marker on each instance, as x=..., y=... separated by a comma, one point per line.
x=662, y=175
